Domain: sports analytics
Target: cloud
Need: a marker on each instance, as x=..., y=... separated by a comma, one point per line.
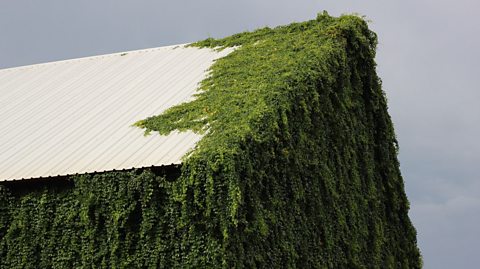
x=427, y=58
x=449, y=229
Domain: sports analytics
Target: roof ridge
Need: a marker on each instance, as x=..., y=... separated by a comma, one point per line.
x=92, y=57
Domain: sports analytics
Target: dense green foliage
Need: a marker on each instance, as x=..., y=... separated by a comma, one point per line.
x=297, y=168
x=110, y=220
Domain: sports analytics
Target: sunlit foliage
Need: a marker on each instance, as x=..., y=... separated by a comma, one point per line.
x=297, y=168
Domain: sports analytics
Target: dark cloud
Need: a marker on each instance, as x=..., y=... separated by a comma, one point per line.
x=427, y=58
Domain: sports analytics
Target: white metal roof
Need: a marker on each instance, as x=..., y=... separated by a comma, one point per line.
x=76, y=116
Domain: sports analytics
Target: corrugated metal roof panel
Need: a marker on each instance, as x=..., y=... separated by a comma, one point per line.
x=75, y=116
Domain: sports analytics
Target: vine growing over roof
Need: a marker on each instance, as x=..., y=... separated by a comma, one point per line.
x=297, y=168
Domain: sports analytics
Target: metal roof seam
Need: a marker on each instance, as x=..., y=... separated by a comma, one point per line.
x=151, y=103
x=75, y=116
x=105, y=127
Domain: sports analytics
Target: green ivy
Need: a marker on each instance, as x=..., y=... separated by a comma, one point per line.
x=297, y=168
x=110, y=220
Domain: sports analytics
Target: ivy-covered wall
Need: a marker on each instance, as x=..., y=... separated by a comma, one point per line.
x=297, y=169
x=110, y=220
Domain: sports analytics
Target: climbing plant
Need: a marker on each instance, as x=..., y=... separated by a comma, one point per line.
x=297, y=168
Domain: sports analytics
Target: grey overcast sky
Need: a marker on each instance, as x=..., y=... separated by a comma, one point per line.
x=428, y=58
